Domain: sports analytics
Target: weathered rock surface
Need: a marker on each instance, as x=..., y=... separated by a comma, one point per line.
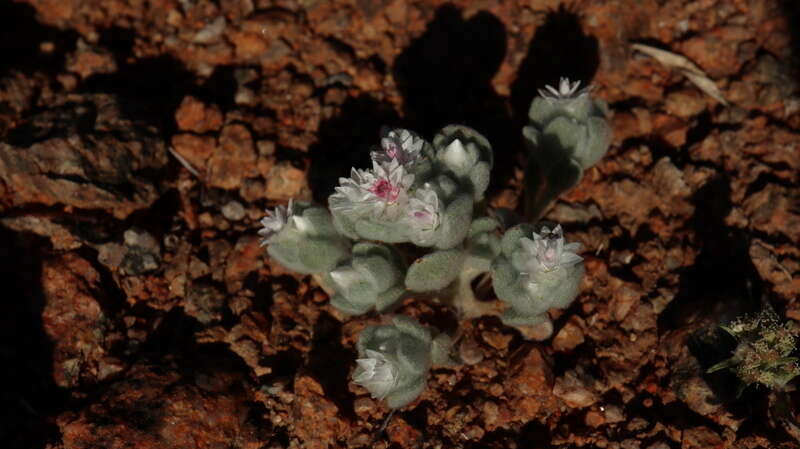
x=82, y=153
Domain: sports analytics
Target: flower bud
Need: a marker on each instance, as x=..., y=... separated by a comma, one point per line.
x=302, y=238
x=394, y=359
x=376, y=373
x=372, y=278
x=466, y=154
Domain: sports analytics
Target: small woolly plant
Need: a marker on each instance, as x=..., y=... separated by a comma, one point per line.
x=416, y=224
x=763, y=353
x=536, y=272
x=568, y=132
x=394, y=359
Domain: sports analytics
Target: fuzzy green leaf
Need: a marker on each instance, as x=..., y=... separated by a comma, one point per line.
x=434, y=271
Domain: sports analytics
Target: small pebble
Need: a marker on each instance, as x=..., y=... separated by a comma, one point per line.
x=233, y=211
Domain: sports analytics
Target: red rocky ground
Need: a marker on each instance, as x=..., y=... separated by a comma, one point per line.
x=139, y=310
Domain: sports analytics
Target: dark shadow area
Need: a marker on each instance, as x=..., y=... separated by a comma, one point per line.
x=445, y=78
x=721, y=285
x=345, y=141
x=169, y=360
x=445, y=74
x=325, y=363
x=21, y=38
x=57, y=121
x=559, y=48
x=709, y=347
x=28, y=394
x=417, y=417
x=149, y=90
x=791, y=9
x=534, y=434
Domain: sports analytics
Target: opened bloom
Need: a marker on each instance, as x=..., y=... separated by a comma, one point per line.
x=376, y=373
x=380, y=192
x=274, y=222
x=545, y=254
x=566, y=90
x=399, y=145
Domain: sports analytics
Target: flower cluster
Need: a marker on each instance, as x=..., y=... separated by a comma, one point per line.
x=394, y=359
x=399, y=145
x=380, y=192
x=302, y=237
x=387, y=195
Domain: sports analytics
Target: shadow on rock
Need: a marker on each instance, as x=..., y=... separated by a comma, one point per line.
x=791, y=9
x=148, y=90
x=325, y=362
x=29, y=394
x=344, y=142
x=22, y=39
x=445, y=74
x=721, y=285
x=445, y=77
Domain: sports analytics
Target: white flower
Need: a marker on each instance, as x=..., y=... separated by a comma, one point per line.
x=566, y=90
x=380, y=192
x=546, y=253
x=275, y=221
x=400, y=145
x=422, y=215
x=376, y=373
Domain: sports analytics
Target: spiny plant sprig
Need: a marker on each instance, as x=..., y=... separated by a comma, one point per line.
x=763, y=353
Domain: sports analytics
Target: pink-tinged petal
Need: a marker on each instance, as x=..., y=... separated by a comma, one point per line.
x=376, y=373
x=546, y=252
x=399, y=145
x=274, y=221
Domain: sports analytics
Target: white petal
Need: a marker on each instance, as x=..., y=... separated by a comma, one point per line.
x=274, y=221
x=302, y=224
x=569, y=259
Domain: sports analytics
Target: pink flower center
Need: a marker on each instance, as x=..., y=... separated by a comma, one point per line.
x=384, y=190
x=392, y=151
x=549, y=256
